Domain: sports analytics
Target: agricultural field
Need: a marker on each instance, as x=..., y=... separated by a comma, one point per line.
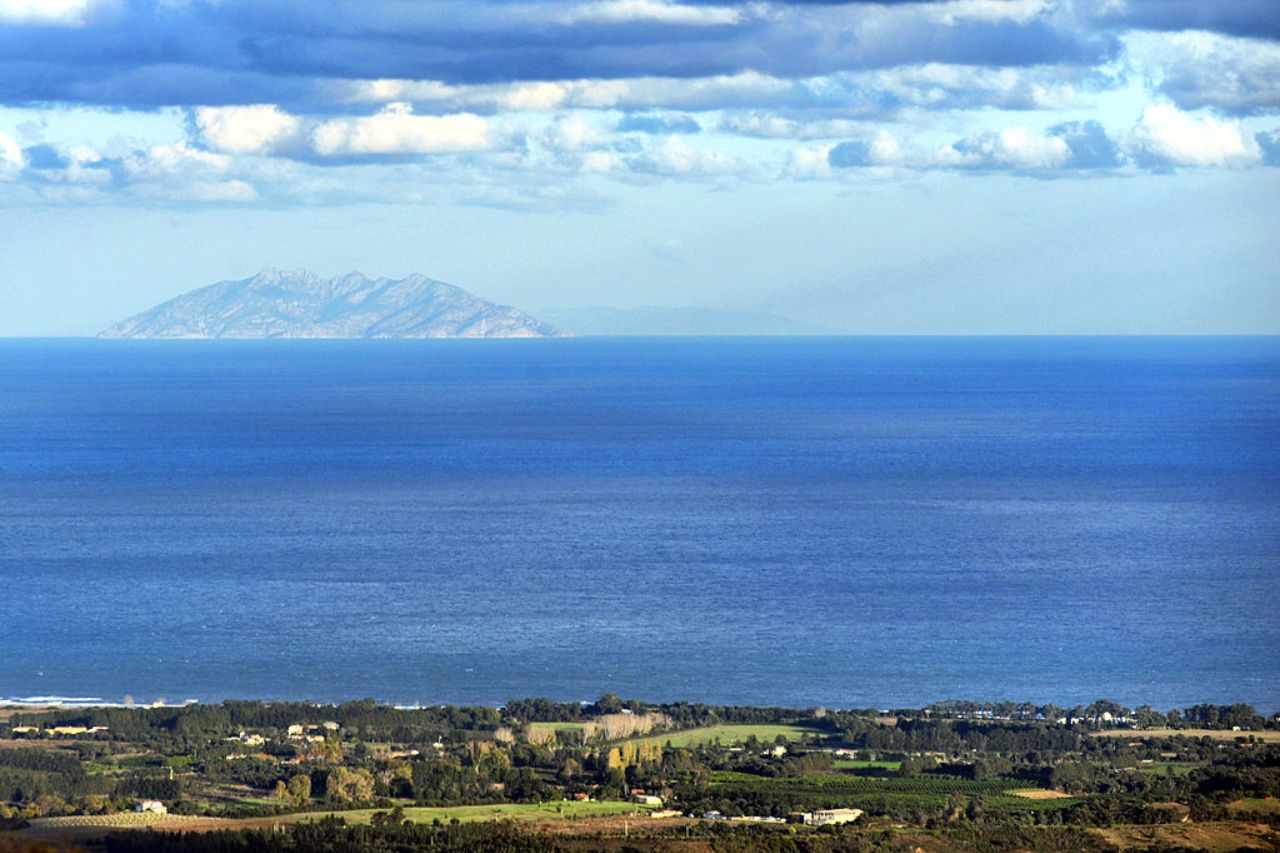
x=496, y=811
x=1263, y=805
x=557, y=727
x=728, y=735
x=851, y=764
x=122, y=820
x=870, y=793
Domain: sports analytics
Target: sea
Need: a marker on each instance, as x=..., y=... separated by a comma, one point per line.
x=838, y=522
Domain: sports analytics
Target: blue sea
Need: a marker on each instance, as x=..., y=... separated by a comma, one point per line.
x=807, y=521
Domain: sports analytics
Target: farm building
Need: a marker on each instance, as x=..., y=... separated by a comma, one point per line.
x=827, y=817
x=151, y=807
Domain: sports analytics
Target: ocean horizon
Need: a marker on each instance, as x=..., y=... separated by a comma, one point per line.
x=835, y=521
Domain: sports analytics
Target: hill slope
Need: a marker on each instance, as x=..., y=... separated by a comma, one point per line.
x=277, y=304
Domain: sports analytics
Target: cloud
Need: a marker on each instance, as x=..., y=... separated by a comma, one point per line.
x=849, y=154
x=633, y=93
x=626, y=11
x=11, y=157
x=1255, y=18
x=572, y=133
x=674, y=157
x=170, y=172
x=1009, y=148
x=396, y=130
x=1167, y=136
x=255, y=129
x=1089, y=145
x=44, y=12
x=1202, y=69
x=295, y=53
x=660, y=124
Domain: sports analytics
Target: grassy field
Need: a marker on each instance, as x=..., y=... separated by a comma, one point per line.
x=845, y=790
x=1160, y=768
x=497, y=811
x=1268, y=805
x=121, y=820
x=557, y=727
x=850, y=764
x=730, y=734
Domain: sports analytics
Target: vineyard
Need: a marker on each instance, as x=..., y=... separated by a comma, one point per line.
x=873, y=793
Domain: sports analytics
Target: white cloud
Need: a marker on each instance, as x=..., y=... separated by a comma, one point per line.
x=178, y=172
x=713, y=92
x=886, y=150
x=1010, y=147
x=11, y=160
x=1202, y=69
x=396, y=130
x=941, y=84
x=255, y=129
x=58, y=12
x=809, y=161
x=658, y=11
x=987, y=11
x=600, y=162
x=1165, y=134
x=676, y=158
x=572, y=133
x=162, y=161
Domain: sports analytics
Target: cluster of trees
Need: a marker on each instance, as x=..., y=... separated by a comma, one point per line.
x=1241, y=715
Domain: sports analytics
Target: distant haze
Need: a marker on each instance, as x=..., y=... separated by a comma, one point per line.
x=658, y=320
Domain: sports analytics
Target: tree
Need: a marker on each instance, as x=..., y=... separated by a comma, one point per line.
x=300, y=789
x=344, y=784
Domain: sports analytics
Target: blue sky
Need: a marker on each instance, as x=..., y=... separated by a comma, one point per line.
x=963, y=166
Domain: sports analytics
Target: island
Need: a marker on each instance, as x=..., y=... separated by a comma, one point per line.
x=301, y=304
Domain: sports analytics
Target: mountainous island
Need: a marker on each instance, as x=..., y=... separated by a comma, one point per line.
x=280, y=304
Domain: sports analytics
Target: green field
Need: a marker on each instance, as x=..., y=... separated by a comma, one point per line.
x=731, y=734
x=496, y=811
x=1160, y=768
x=1268, y=805
x=869, y=792
x=557, y=727
x=850, y=764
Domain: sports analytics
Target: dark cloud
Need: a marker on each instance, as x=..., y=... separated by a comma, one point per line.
x=144, y=54
x=1253, y=18
x=848, y=155
x=1090, y=145
x=659, y=123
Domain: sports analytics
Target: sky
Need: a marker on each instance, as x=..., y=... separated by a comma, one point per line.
x=949, y=167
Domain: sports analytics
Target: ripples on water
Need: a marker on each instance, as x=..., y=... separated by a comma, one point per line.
x=786, y=521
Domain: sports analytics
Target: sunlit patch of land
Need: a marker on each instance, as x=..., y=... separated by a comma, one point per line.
x=1039, y=794
x=1266, y=736
x=495, y=811
x=731, y=734
x=1217, y=837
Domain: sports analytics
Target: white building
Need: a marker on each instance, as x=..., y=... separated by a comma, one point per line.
x=826, y=817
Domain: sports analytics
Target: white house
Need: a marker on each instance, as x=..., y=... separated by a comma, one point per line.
x=826, y=817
